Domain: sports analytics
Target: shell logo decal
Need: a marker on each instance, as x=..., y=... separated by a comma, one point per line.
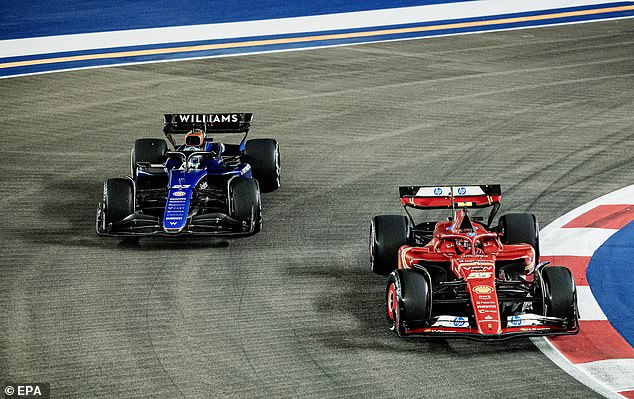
x=482, y=289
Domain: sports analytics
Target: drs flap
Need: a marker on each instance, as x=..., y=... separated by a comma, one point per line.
x=442, y=196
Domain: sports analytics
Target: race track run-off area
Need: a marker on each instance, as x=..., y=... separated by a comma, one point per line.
x=596, y=242
x=295, y=311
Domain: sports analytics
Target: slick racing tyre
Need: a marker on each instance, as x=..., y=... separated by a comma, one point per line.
x=520, y=228
x=148, y=150
x=387, y=234
x=118, y=200
x=408, y=299
x=559, y=293
x=264, y=157
x=245, y=201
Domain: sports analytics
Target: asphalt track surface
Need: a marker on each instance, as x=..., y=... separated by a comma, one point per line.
x=295, y=311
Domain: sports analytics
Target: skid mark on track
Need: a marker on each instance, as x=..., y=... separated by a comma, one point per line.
x=243, y=349
x=473, y=75
x=312, y=359
x=149, y=331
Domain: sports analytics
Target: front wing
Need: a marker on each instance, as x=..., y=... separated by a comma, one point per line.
x=526, y=325
x=142, y=225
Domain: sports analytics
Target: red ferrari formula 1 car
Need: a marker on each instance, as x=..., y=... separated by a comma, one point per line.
x=462, y=277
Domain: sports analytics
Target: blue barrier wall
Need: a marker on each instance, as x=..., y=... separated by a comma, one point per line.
x=20, y=19
x=46, y=19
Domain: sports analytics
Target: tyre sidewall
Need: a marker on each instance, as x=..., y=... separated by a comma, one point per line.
x=264, y=157
x=148, y=150
x=408, y=298
x=118, y=199
x=387, y=234
x=558, y=291
x=245, y=200
x=521, y=228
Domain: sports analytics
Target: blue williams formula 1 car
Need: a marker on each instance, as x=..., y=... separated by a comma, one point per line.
x=201, y=187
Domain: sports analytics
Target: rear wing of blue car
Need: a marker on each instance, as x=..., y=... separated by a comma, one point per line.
x=209, y=123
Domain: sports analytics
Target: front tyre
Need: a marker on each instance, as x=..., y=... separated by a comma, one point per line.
x=559, y=293
x=264, y=157
x=408, y=299
x=118, y=200
x=245, y=203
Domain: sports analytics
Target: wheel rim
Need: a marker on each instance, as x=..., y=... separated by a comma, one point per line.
x=372, y=245
x=277, y=165
x=392, y=307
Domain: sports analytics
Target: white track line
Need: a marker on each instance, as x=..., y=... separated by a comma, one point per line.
x=616, y=374
x=589, y=308
x=572, y=241
x=563, y=363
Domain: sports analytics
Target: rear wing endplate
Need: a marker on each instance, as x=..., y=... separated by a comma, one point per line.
x=445, y=197
x=211, y=123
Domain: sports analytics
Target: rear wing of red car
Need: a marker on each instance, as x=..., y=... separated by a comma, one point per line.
x=210, y=123
x=445, y=197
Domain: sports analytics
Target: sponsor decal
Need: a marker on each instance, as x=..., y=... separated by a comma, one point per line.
x=179, y=193
x=484, y=297
x=532, y=328
x=462, y=190
x=483, y=289
x=483, y=311
x=182, y=186
x=478, y=268
x=515, y=320
x=438, y=191
x=481, y=275
x=173, y=223
x=199, y=118
x=459, y=321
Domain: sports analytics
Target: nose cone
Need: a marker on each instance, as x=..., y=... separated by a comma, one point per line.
x=480, y=277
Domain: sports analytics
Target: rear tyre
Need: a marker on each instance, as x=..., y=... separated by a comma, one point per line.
x=245, y=201
x=118, y=200
x=148, y=150
x=408, y=299
x=387, y=234
x=521, y=228
x=264, y=157
x=559, y=293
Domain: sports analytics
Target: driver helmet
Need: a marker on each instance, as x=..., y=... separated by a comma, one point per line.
x=195, y=140
x=463, y=245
